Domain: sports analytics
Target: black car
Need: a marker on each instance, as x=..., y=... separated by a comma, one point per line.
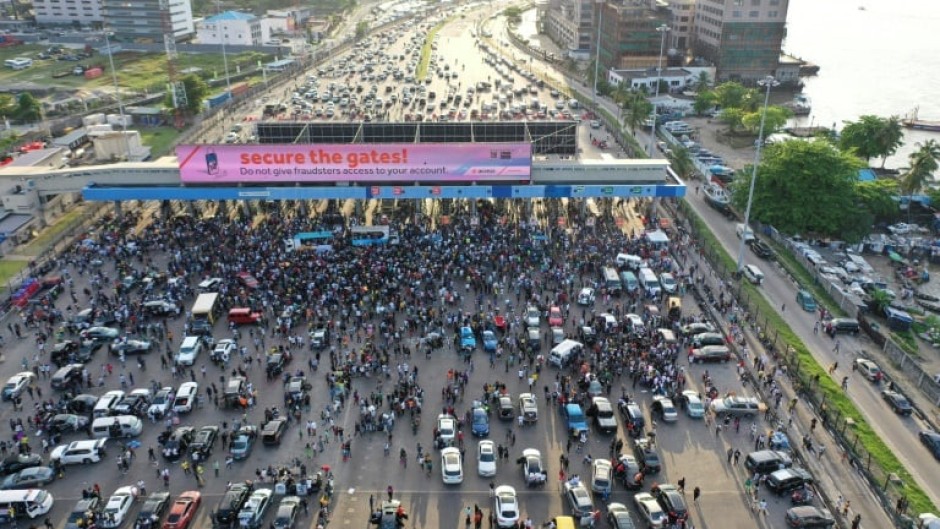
x=588, y=335
x=136, y=403
x=276, y=362
x=177, y=443
x=82, y=404
x=80, y=513
x=62, y=352
x=898, y=402
x=673, y=505
x=67, y=375
x=273, y=430
x=67, y=423
x=203, y=442
x=226, y=513
x=647, y=456
x=153, y=511
x=931, y=440
x=760, y=249
x=788, y=479
x=18, y=462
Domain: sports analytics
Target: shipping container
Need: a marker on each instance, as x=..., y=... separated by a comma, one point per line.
x=93, y=73
x=239, y=89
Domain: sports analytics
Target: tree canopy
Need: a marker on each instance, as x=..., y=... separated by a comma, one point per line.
x=196, y=92
x=872, y=137
x=23, y=107
x=776, y=118
x=806, y=187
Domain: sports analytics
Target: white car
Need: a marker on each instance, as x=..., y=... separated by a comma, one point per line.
x=668, y=283
x=451, y=467
x=693, y=404
x=161, y=403
x=586, y=296
x=224, y=349
x=528, y=407
x=79, y=452
x=210, y=284
x=486, y=458
x=115, y=511
x=665, y=408
x=17, y=384
x=447, y=429
x=635, y=322
x=532, y=317
x=650, y=510
x=507, y=506
x=252, y=513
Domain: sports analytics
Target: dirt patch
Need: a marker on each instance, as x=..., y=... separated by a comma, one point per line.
x=737, y=152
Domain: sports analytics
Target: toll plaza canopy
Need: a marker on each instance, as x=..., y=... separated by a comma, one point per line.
x=301, y=161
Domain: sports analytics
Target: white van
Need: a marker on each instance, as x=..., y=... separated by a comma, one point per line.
x=633, y=262
x=120, y=426
x=743, y=232
x=649, y=281
x=562, y=353
x=630, y=282
x=185, y=397
x=106, y=403
x=24, y=503
x=18, y=63
x=753, y=274
x=189, y=351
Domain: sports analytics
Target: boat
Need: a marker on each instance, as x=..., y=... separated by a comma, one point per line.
x=913, y=122
x=800, y=106
x=717, y=196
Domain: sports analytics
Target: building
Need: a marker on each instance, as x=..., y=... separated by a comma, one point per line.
x=678, y=79
x=628, y=34
x=142, y=20
x=231, y=27
x=84, y=12
x=742, y=38
x=681, y=26
x=570, y=24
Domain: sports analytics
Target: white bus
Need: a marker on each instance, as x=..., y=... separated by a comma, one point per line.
x=611, y=281
x=372, y=235
x=18, y=63
x=26, y=503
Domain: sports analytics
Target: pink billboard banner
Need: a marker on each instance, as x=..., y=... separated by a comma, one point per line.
x=387, y=162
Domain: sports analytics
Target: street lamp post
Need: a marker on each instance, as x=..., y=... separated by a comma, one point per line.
x=768, y=83
x=117, y=95
x=662, y=30
x=597, y=49
x=228, y=83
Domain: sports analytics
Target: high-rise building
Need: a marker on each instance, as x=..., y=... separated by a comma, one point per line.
x=743, y=38
x=628, y=34
x=570, y=23
x=681, y=26
x=142, y=20
x=84, y=12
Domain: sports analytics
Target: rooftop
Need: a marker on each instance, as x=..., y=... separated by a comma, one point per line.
x=229, y=16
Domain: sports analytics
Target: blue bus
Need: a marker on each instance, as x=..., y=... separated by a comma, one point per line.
x=372, y=236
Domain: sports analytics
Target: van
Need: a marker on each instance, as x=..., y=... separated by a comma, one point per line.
x=611, y=281
x=625, y=260
x=106, y=403
x=629, y=280
x=633, y=418
x=121, y=426
x=666, y=336
x=842, y=325
x=610, y=322
x=243, y=316
x=753, y=274
x=66, y=375
x=743, y=232
x=185, y=397
x=27, y=503
x=649, y=281
x=564, y=352
x=767, y=461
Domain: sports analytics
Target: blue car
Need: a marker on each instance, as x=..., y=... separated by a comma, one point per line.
x=576, y=421
x=489, y=341
x=468, y=341
x=480, y=422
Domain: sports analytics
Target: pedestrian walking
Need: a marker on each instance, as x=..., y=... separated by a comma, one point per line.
x=856, y=522
x=762, y=507
x=391, y=491
x=730, y=454
x=681, y=484
x=696, y=492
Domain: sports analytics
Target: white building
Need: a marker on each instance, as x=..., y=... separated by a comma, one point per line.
x=84, y=12
x=243, y=29
x=682, y=25
x=678, y=79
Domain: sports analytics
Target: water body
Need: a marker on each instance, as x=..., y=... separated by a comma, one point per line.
x=883, y=60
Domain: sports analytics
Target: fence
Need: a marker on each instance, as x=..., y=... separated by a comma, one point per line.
x=805, y=378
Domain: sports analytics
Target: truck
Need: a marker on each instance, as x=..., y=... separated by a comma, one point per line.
x=9, y=40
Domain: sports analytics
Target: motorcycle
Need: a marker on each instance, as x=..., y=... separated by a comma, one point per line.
x=802, y=496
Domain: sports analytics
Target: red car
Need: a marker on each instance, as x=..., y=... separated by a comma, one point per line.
x=554, y=317
x=183, y=510
x=247, y=280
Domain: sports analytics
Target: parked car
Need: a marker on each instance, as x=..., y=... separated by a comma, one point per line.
x=738, y=406
x=153, y=511
x=506, y=506
x=183, y=510
x=486, y=458
x=808, y=516
x=28, y=478
x=533, y=473
x=868, y=369
x=650, y=510
x=898, y=402
x=578, y=498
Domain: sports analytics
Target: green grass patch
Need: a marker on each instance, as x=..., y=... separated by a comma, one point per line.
x=907, y=340
x=136, y=71
x=426, y=50
x=49, y=235
x=805, y=279
x=159, y=139
x=832, y=396
x=9, y=268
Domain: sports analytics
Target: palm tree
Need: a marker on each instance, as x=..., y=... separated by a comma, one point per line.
x=681, y=162
x=923, y=163
x=702, y=82
x=638, y=111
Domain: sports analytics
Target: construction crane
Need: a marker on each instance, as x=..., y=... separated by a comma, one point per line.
x=176, y=87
